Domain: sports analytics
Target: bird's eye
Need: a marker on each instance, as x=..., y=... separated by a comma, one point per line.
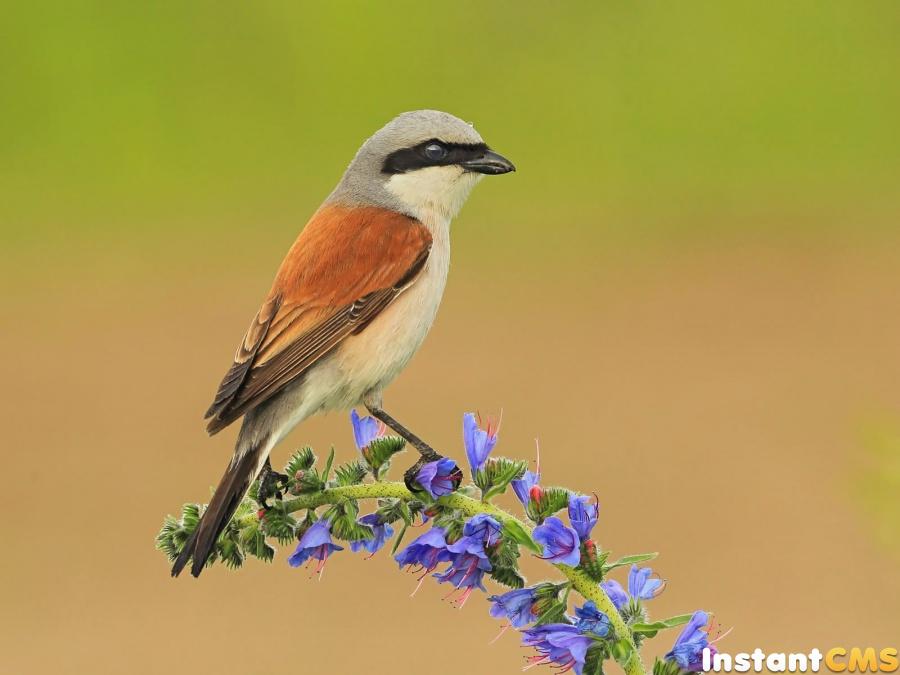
x=435, y=152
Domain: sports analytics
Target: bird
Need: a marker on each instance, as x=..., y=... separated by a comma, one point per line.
x=351, y=303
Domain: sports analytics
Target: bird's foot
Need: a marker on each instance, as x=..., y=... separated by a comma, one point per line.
x=271, y=483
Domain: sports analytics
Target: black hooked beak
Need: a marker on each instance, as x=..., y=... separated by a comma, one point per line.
x=489, y=162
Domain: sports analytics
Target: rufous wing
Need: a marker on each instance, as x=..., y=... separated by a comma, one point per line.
x=346, y=267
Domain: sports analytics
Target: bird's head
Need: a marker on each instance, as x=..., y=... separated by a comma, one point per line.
x=423, y=163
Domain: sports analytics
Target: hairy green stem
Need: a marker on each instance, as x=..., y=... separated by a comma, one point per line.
x=580, y=581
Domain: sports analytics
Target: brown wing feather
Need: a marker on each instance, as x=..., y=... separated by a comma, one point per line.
x=343, y=270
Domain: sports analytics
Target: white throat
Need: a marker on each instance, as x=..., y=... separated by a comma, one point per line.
x=435, y=194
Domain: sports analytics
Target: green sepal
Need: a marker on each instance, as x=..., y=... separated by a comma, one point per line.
x=351, y=473
x=592, y=560
x=551, y=501
x=326, y=474
x=630, y=560
x=378, y=454
x=253, y=541
x=308, y=482
x=496, y=474
x=301, y=460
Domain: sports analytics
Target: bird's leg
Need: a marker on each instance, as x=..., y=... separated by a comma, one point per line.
x=270, y=484
x=426, y=451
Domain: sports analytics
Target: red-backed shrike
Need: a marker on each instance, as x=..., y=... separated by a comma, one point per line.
x=352, y=301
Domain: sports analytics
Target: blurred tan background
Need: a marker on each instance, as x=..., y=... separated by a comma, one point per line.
x=689, y=292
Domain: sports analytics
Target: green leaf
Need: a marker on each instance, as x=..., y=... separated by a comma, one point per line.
x=630, y=560
x=326, y=475
x=399, y=539
x=651, y=629
x=593, y=661
x=508, y=577
x=513, y=530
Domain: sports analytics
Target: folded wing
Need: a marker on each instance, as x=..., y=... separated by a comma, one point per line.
x=345, y=268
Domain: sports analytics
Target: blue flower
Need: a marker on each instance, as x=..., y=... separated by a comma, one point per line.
x=688, y=649
x=641, y=586
x=583, y=513
x=560, y=543
x=315, y=543
x=592, y=620
x=439, y=478
x=466, y=572
x=523, y=486
x=365, y=430
x=483, y=527
x=559, y=643
x=381, y=530
x=616, y=593
x=517, y=606
x=479, y=442
x=425, y=552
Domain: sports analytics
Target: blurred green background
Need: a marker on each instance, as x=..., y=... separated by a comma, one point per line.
x=689, y=290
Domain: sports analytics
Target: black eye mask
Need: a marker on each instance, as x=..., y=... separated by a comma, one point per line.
x=410, y=159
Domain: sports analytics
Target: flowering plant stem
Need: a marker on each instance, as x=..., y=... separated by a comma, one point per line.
x=579, y=580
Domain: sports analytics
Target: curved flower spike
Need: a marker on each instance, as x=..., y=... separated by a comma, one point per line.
x=560, y=543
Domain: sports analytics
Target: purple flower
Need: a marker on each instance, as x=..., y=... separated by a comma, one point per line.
x=642, y=586
x=688, y=649
x=365, y=430
x=479, y=442
x=583, y=513
x=517, y=606
x=523, y=486
x=616, y=593
x=439, y=478
x=425, y=552
x=592, y=620
x=315, y=543
x=381, y=530
x=560, y=542
x=559, y=643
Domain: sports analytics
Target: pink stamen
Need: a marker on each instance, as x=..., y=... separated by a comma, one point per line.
x=502, y=632
x=537, y=447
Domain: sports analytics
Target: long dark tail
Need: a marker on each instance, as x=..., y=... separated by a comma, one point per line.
x=228, y=495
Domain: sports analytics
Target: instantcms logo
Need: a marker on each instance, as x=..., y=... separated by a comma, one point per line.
x=836, y=660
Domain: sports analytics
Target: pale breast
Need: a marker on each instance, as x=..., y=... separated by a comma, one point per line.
x=370, y=360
